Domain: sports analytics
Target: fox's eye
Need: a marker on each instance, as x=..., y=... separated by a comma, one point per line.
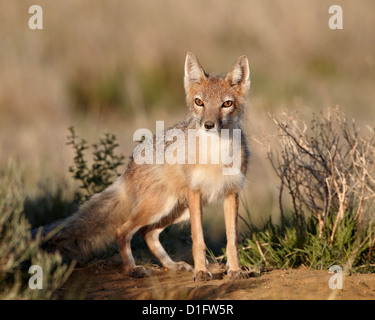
x=227, y=104
x=199, y=102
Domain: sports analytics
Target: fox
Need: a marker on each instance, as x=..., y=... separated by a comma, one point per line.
x=148, y=197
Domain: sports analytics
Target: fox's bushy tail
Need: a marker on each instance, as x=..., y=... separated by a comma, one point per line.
x=94, y=225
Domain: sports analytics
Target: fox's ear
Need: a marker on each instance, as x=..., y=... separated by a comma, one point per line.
x=239, y=75
x=193, y=70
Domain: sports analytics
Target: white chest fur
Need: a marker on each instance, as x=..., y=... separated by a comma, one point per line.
x=212, y=183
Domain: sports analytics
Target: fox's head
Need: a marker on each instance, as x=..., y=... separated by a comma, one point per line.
x=216, y=101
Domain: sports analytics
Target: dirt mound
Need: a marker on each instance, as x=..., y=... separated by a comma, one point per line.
x=104, y=280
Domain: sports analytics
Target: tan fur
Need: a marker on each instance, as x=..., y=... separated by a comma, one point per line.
x=149, y=197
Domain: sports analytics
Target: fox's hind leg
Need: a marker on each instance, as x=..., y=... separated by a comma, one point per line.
x=125, y=234
x=151, y=234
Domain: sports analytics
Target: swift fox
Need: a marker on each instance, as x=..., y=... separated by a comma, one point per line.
x=151, y=196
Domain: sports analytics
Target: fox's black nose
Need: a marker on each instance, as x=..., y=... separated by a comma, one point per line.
x=209, y=125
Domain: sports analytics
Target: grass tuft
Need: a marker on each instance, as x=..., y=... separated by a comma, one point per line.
x=19, y=250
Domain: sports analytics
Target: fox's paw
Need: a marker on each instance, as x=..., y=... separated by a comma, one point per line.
x=202, y=275
x=237, y=275
x=138, y=272
x=183, y=266
x=179, y=266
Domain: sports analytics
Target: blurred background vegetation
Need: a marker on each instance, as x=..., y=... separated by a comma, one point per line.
x=117, y=66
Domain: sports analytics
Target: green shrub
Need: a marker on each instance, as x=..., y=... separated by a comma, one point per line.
x=104, y=169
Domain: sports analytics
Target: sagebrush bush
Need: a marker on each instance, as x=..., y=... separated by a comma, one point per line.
x=18, y=250
x=327, y=168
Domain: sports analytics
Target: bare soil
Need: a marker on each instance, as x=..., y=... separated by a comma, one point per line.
x=106, y=280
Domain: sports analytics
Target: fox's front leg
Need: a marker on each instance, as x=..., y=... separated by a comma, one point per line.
x=231, y=202
x=201, y=272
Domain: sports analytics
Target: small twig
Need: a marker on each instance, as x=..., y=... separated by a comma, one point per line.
x=366, y=265
x=261, y=252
